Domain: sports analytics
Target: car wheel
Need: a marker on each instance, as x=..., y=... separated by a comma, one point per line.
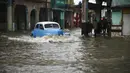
x=33, y=35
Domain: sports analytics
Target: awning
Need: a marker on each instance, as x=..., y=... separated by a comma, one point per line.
x=58, y=9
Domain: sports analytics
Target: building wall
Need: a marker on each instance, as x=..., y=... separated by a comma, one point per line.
x=126, y=10
x=126, y=21
x=71, y=2
x=120, y=21
x=13, y=12
x=30, y=5
x=49, y=10
x=69, y=14
x=3, y=16
x=120, y=2
x=58, y=8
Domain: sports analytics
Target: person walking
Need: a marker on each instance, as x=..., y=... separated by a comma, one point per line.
x=95, y=27
x=105, y=26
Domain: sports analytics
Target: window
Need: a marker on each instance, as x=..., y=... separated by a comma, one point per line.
x=40, y=26
x=51, y=26
x=55, y=26
x=37, y=26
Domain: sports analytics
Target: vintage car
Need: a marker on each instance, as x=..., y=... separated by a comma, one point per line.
x=46, y=28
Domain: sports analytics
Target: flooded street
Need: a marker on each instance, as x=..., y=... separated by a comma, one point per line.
x=20, y=53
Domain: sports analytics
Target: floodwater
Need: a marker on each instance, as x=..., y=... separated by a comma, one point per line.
x=20, y=53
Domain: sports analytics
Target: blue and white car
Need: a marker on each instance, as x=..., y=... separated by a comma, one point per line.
x=46, y=28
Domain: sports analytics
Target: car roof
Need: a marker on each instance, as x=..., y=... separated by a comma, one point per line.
x=47, y=22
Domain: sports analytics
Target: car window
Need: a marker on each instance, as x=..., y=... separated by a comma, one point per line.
x=51, y=26
x=40, y=26
x=37, y=26
x=55, y=26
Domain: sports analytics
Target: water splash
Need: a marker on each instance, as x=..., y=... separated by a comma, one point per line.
x=46, y=39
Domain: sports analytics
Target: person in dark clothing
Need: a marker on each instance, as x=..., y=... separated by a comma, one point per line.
x=104, y=26
x=109, y=27
x=95, y=27
x=66, y=24
x=99, y=27
x=83, y=27
x=86, y=28
x=90, y=27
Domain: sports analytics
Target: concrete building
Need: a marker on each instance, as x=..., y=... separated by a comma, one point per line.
x=58, y=11
x=69, y=14
x=62, y=11
x=22, y=14
x=121, y=16
x=3, y=15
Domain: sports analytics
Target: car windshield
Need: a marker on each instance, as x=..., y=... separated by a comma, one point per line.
x=51, y=26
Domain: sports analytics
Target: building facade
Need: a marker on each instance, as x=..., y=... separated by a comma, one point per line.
x=22, y=14
x=62, y=12
x=69, y=12
x=18, y=15
x=3, y=15
x=120, y=17
x=58, y=11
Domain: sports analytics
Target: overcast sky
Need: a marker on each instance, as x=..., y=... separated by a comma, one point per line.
x=77, y=1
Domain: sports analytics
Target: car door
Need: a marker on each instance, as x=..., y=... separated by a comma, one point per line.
x=39, y=30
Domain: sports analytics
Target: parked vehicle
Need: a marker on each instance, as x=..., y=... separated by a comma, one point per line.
x=46, y=28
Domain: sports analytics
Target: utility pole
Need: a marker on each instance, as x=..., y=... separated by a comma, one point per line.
x=109, y=2
x=80, y=6
x=9, y=15
x=85, y=10
x=46, y=10
x=84, y=17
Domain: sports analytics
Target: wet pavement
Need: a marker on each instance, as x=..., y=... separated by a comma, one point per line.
x=20, y=53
